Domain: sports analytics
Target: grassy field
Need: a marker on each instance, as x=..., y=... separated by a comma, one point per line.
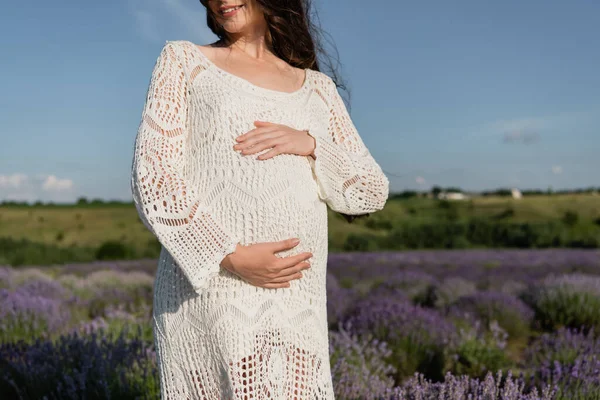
x=85, y=228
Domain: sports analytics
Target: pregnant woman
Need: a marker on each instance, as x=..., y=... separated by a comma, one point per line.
x=242, y=145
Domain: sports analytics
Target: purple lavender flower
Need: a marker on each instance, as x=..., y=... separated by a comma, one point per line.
x=414, y=284
x=95, y=365
x=417, y=336
x=47, y=288
x=340, y=301
x=571, y=300
x=450, y=290
x=512, y=314
x=6, y=277
x=418, y=387
x=27, y=316
x=489, y=268
x=579, y=379
x=563, y=346
x=358, y=365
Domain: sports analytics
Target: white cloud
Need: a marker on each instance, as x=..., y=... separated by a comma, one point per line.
x=14, y=181
x=557, y=169
x=420, y=180
x=52, y=183
x=31, y=188
x=532, y=128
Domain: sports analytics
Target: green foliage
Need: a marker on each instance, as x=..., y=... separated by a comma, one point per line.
x=410, y=221
x=357, y=243
x=475, y=355
x=152, y=249
x=506, y=213
x=570, y=218
x=571, y=303
x=378, y=222
x=445, y=204
x=480, y=232
x=411, y=356
x=503, y=192
x=113, y=250
x=25, y=252
x=407, y=194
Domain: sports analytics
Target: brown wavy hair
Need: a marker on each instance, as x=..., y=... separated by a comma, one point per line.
x=293, y=37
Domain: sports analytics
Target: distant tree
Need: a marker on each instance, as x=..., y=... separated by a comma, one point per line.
x=406, y=194
x=570, y=218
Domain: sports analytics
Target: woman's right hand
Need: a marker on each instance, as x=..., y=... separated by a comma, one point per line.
x=258, y=265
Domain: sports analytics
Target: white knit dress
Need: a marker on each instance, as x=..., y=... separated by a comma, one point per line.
x=217, y=336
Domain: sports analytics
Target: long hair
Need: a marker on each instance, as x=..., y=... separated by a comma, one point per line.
x=293, y=37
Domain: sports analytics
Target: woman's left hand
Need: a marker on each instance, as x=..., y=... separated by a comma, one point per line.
x=281, y=138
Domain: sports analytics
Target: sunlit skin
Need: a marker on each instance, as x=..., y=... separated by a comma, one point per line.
x=281, y=139
x=247, y=28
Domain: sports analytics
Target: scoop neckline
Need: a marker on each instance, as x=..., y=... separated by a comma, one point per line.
x=249, y=85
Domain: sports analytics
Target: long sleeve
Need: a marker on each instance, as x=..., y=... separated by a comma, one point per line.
x=349, y=179
x=166, y=203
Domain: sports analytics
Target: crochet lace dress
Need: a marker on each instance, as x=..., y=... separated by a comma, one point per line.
x=217, y=336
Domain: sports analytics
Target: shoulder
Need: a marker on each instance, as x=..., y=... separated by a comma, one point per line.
x=322, y=80
x=172, y=48
x=190, y=55
x=323, y=83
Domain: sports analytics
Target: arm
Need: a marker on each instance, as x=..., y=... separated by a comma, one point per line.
x=349, y=180
x=167, y=205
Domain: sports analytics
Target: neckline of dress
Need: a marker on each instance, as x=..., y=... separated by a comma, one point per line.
x=249, y=85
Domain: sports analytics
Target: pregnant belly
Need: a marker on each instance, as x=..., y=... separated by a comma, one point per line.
x=266, y=200
x=274, y=204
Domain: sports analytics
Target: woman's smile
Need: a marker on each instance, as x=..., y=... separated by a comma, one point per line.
x=230, y=11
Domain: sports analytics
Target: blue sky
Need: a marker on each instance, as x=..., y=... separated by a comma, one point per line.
x=472, y=94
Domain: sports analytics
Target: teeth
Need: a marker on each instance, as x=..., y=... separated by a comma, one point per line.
x=230, y=9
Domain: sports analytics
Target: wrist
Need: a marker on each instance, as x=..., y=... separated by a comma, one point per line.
x=314, y=145
x=227, y=261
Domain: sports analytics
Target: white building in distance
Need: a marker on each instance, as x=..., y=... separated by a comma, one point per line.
x=452, y=196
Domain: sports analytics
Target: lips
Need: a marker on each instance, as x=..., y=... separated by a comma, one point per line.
x=223, y=8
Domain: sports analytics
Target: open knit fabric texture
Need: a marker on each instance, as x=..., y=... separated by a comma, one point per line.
x=216, y=335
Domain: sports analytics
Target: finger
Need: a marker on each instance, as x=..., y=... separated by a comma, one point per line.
x=270, y=154
x=265, y=123
x=259, y=138
x=281, y=147
x=283, y=244
x=286, y=262
x=260, y=146
x=276, y=285
x=287, y=278
x=294, y=269
x=254, y=132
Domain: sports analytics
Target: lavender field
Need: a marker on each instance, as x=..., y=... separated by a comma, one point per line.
x=478, y=324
